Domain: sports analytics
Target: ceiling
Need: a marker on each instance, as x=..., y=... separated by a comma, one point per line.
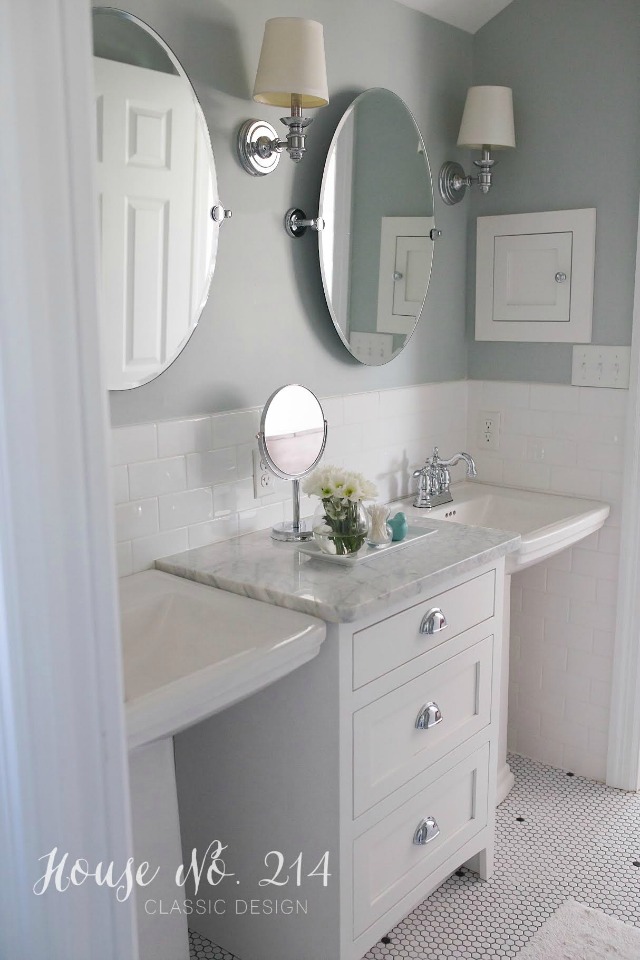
x=469, y=15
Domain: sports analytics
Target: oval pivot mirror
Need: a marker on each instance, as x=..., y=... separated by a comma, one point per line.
x=376, y=248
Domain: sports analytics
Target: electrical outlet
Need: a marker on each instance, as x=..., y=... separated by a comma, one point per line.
x=264, y=481
x=489, y=429
x=596, y=366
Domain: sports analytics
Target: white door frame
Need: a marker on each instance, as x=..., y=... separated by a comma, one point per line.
x=623, y=760
x=63, y=770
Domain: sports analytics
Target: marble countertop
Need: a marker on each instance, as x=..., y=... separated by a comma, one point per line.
x=256, y=566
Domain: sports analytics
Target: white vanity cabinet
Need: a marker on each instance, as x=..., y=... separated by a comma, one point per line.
x=381, y=751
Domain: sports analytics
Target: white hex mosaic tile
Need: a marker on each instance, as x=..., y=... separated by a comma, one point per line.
x=202, y=949
x=559, y=837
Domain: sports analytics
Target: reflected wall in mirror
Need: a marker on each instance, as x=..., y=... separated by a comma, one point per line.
x=376, y=248
x=156, y=191
x=292, y=438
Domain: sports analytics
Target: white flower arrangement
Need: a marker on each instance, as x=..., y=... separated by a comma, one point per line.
x=343, y=524
x=335, y=483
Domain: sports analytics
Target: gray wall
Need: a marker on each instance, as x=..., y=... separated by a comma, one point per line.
x=266, y=322
x=574, y=66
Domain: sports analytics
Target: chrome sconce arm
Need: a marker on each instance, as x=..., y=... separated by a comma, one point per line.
x=259, y=147
x=453, y=181
x=295, y=141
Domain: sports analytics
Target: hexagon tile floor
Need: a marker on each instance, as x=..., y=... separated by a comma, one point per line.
x=558, y=837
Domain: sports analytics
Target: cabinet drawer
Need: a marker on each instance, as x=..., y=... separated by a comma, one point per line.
x=391, y=740
x=388, y=644
x=388, y=864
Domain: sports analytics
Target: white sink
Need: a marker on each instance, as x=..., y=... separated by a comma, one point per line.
x=191, y=650
x=546, y=522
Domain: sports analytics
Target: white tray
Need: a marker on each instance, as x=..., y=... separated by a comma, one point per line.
x=365, y=552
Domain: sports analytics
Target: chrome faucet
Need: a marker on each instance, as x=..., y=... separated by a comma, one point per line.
x=434, y=479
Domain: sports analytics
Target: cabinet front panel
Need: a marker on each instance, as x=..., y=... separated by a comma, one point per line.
x=388, y=862
x=398, y=639
x=402, y=733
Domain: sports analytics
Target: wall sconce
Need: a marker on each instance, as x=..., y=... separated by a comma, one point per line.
x=487, y=124
x=291, y=73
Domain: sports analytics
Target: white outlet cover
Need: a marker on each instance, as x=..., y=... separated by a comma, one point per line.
x=489, y=424
x=264, y=481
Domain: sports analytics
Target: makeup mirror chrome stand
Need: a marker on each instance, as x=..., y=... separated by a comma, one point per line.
x=292, y=438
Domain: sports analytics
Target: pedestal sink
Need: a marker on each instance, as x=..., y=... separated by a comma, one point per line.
x=547, y=523
x=189, y=651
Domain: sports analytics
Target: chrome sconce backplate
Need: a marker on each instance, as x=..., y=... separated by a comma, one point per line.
x=255, y=147
x=452, y=182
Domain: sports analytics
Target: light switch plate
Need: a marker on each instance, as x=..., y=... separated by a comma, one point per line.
x=597, y=366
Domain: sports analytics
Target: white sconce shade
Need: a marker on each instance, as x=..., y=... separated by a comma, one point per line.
x=487, y=119
x=292, y=62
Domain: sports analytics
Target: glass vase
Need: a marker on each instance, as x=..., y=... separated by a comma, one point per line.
x=340, y=527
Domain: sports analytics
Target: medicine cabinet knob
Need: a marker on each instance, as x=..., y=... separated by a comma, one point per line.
x=560, y=277
x=397, y=275
x=433, y=622
x=429, y=716
x=426, y=831
x=219, y=214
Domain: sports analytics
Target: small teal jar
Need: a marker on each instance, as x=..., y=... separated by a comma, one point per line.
x=399, y=527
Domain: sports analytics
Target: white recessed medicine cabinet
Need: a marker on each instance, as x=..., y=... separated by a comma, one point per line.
x=534, y=276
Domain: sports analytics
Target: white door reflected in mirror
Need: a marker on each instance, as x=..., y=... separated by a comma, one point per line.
x=156, y=188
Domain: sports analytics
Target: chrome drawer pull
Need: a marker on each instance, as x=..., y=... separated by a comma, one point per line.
x=429, y=716
x=426, y=830
x=433, y=622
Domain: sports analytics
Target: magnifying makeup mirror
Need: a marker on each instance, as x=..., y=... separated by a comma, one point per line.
x=292, y=438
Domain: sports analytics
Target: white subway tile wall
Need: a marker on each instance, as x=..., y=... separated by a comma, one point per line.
x=568, y=440
x=181, y=484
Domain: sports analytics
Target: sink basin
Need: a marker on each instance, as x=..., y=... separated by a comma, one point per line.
x=546, y=522
x=190, y=650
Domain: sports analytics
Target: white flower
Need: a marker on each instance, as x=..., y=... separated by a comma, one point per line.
x=334, y=482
